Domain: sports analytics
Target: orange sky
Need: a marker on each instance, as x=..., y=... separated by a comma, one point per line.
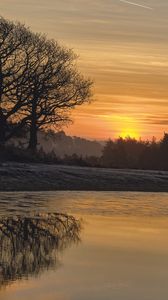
x=123, y=47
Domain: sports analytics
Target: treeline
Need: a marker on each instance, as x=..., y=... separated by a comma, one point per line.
x=121, y=153
x=128, y=153
x=39, y=83
x=136, y=154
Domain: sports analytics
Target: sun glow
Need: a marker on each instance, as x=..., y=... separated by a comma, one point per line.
x=129, y=132
x=126, y=126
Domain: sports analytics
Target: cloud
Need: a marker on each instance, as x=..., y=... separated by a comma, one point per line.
x=159, y=119
x=123, y=49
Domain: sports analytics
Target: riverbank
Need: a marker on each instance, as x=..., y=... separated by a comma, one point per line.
x=42, y=177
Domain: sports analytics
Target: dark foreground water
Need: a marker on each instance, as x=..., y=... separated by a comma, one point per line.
x=83, y=246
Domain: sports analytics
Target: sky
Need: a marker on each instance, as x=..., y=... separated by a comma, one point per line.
x=123, y=47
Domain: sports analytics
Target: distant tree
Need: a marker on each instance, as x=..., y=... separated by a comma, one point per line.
x=134, y=149
x=114, y=154
x=164, y=151
x=149, y=158
x=108, y=159
x=131, y=153
x=120, y=153
x=164, y=143
x=93, y=161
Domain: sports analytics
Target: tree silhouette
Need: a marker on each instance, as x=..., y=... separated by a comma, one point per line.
x=56, y=87
x=29, y=245
x=39, y=82
x=14, y=88
x=136, y=154
x=164, y=152
x=114, y=154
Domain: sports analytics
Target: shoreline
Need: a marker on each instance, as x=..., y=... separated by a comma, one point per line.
x=43, y=177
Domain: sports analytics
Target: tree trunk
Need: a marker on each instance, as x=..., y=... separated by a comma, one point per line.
x=33, y=129
x=3, y=127
x=2, y=117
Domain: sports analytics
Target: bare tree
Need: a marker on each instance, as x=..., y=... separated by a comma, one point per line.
x=13, y=68
x=56, y=87
x=39, y=82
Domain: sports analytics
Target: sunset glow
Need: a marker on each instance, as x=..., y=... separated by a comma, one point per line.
x=83, y=149
x=129, y=133
x=123, y=47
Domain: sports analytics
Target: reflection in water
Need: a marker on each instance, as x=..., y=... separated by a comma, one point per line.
x=123, y=254
x=31, y=244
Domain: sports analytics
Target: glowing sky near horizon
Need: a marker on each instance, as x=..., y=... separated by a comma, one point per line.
x=123, y=47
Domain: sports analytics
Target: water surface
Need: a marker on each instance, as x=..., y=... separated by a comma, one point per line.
x=83, y=245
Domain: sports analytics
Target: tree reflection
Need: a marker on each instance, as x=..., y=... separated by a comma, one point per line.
x=29, y=245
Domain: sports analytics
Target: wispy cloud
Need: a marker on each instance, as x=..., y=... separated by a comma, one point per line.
x=136, y=4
